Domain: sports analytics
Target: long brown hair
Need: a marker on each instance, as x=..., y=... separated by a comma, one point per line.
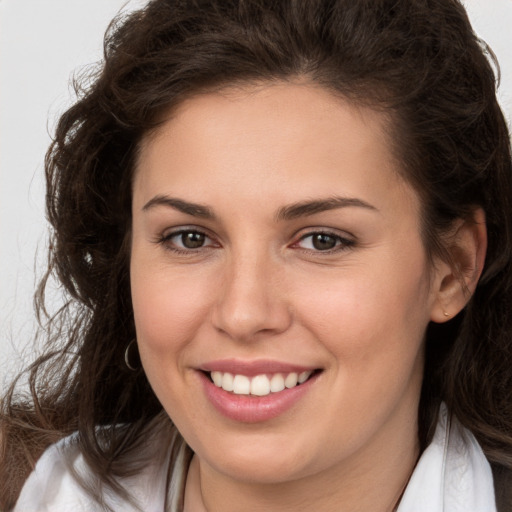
x=417, y=60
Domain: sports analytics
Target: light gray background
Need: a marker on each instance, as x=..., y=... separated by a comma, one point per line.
x=41, y=43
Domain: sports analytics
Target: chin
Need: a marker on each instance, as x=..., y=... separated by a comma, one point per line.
x=263, y=458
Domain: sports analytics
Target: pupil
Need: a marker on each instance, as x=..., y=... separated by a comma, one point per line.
x=323, y=242
x=192, y=240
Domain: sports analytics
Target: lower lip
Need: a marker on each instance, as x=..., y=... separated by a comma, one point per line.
x=254, y=409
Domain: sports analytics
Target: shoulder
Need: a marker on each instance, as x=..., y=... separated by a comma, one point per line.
x=51, y=487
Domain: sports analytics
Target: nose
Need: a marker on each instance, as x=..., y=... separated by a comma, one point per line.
x=251, y=300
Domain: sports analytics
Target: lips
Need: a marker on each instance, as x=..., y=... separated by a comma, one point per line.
x=255, y=391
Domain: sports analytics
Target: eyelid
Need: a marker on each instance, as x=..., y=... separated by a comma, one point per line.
x=167, y=235
x=344, y=240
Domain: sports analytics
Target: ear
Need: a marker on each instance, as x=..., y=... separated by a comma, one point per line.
x=455, y=280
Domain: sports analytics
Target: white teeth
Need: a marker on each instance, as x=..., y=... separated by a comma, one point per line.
x=291, y=380
x=227, y=382
x=304, y=376
x=277, y=383
x=217, y=378
x=241, y=385
x=260, y=385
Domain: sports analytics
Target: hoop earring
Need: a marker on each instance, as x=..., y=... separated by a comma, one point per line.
x=127, y=358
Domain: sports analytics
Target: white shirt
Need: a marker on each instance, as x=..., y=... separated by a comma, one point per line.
x=452, y=475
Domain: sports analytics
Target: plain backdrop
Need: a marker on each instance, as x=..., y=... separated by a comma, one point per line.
x=42, y=42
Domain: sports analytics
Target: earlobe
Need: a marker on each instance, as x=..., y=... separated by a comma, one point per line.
x=456, y=279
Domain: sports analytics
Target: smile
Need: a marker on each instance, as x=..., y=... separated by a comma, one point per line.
x=252, y=392
x=259, y=385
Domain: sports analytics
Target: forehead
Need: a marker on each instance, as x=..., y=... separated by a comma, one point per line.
x=256, y=106
x=279, y=139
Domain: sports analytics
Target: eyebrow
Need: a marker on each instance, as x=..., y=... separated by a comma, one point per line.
x=194, y=209
x=289, y=212
x=305, y=208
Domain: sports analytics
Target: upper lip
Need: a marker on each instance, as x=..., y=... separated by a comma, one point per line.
x=253, y=368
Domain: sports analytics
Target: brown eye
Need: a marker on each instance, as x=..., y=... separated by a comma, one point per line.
x=185, y=240
x=323, y=241
x=192, y=239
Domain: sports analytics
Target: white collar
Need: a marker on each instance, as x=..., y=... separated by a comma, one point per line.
x=452, y=474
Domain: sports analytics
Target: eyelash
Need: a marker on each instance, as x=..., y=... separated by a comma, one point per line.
x=341, y=243
x=166, y=241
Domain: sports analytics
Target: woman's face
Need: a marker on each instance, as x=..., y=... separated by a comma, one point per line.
x=273, y=239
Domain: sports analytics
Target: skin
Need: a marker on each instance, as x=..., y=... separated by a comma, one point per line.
x=258, y=289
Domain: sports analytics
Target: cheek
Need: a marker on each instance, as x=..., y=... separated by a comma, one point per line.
x=168, y=311
x=381, y=311
x=168, y=307
x=372, y=323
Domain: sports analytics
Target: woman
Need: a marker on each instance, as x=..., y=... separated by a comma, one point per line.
x=285, y=232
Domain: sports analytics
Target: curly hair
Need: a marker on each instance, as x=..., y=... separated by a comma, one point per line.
x=417, y=60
